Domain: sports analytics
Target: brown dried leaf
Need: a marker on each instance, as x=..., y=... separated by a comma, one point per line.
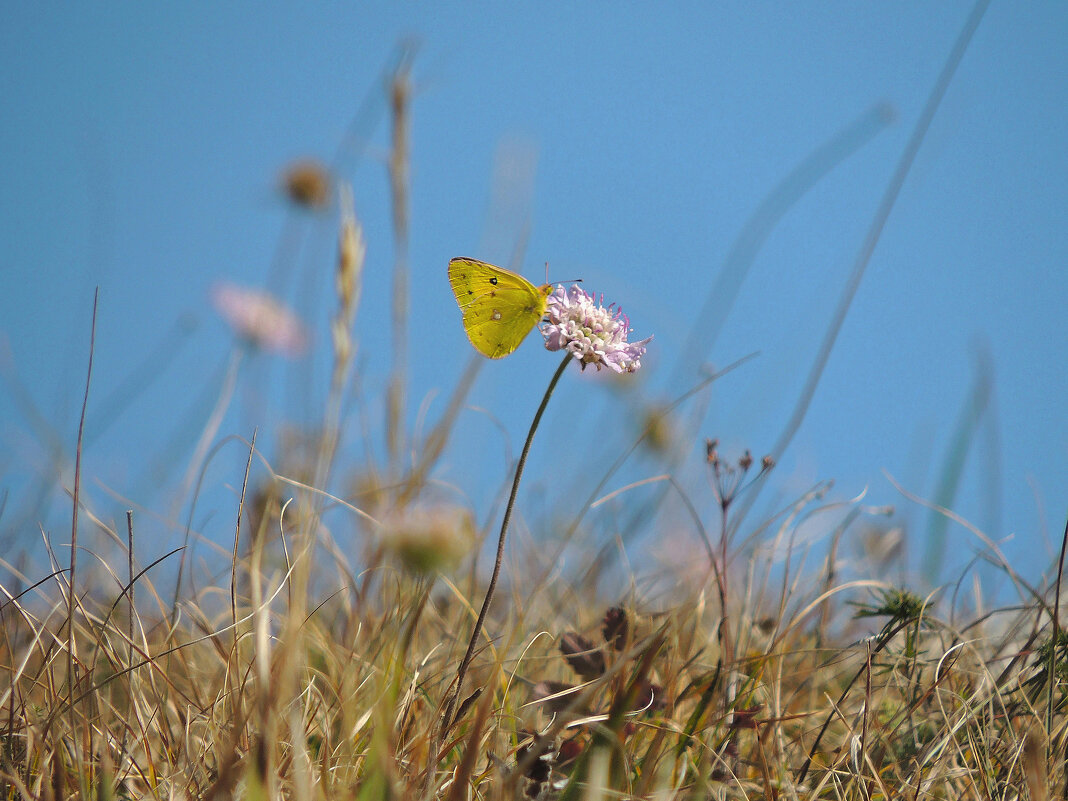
x=581, y=654
x=615, y=627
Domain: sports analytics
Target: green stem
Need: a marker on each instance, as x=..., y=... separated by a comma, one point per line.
x=446, y=719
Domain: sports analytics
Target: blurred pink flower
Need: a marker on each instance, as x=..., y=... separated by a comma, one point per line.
x=594, y=334
x=259, y=319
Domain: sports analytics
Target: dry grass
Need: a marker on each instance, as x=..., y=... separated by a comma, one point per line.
x=344, y=698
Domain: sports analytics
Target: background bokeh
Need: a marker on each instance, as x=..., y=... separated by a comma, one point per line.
x=627, y=145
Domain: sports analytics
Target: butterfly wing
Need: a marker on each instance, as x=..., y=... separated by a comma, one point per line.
x=499, y=307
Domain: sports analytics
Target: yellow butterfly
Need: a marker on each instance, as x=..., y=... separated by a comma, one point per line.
x=500, y=307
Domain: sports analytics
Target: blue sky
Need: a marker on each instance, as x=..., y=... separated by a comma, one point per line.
x=140, y=149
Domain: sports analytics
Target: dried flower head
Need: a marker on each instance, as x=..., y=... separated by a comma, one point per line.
x=259, y=319
x=711, y=451
x=430, y=539
x=593, y=333
x=729, y=479
x=657, y=429
x=307, y=183
x=746, y=461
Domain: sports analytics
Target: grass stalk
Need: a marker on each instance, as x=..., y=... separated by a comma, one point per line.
x=461, y=671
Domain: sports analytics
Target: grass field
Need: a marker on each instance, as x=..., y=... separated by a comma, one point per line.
x=302, y=673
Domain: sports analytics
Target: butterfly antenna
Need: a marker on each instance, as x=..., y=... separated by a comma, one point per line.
x=569, y=281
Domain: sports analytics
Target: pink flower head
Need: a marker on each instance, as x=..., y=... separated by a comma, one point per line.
x=259, y=319
x=594, y=334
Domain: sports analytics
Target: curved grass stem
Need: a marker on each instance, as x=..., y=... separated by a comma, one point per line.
x=461, y=671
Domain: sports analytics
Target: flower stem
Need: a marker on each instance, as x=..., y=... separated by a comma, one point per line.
x=446, y=720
